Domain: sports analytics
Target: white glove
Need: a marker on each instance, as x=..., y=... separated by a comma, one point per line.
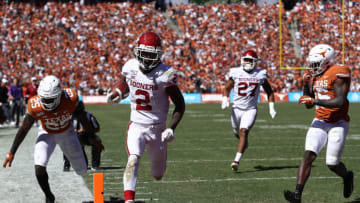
x=167, y=135
x=225, y=102
x=115, y=100
x=272, y=110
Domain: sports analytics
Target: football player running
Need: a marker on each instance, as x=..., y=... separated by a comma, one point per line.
x=151, y=83
x=54, y=107
x=327, y=88
x=245, y=83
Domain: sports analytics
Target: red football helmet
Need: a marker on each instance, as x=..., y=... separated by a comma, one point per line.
x=249, y=60
x=148, y=50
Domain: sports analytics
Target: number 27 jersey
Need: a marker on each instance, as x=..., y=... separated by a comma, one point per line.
x=148, y=98
x=246, y=87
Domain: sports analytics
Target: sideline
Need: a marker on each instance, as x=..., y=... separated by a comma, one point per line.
x=19, y=183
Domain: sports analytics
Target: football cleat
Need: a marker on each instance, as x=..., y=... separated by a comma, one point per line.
x=66, y=168
x=292, y=196
x=348, y=184
x=95, y=168
x=50, y=199
x=130, y=201
x=235, y=166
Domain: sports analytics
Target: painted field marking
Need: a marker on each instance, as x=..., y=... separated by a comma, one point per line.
x=305, y=127
x=234, y=179
x=264, y=159
x=353, y=137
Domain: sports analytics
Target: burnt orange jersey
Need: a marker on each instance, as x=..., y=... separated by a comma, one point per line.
x=59, y=120
x=324, y=90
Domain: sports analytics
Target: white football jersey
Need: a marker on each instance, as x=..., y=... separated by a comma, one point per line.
x=149, y=101
x=246, y=87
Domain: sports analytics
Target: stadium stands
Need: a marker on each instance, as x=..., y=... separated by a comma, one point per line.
x=86, y=45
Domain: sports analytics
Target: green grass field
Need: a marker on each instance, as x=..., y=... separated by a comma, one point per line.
x=199, y=160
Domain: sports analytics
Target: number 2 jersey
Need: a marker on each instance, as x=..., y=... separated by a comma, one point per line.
x=58, y=120
x=148, y=99
x=323, y=88
x=246, y=87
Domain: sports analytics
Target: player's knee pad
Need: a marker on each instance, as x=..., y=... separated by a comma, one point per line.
x=131, y=169
x=132, y=160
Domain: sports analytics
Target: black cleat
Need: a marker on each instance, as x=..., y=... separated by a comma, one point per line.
x=348, y=184
x=50, y=199
x=66, y=168
x=292, y=197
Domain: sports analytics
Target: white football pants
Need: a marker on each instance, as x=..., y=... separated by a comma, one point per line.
x=334, y=134
x=242, y=119
x=69, y=144
x=139, y=137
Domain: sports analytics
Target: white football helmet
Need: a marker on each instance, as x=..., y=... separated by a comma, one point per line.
x=49, y=92
x=249, y=60
x=320, y=58
x=148, y=50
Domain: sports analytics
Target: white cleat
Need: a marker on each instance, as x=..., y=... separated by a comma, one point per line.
x=235, y=166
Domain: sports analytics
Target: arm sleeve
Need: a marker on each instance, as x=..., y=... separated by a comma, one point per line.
x=79, y=108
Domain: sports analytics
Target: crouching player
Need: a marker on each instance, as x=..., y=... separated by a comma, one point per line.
x=89, y=139
x=54, y=107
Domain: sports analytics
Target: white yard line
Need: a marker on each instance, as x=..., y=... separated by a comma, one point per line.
x=233, y=179
x=19, y=182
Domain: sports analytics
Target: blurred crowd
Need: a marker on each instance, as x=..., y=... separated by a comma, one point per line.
x=86, y=45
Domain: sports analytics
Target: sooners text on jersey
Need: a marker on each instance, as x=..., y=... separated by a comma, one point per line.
x=149, y=101
x=56, y=121
x=246, y=87
x=324, y=90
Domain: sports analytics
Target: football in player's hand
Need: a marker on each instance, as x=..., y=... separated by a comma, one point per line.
x=122, y=87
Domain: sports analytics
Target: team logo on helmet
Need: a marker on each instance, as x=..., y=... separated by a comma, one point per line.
x=49, y=92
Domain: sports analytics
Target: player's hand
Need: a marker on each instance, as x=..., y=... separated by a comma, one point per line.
x=272, y=110
x=98, y=145
x=225, y=102
x=306, y=100
x=8, y=159
x=115, y=100
x=306, y=77
x=167, y=135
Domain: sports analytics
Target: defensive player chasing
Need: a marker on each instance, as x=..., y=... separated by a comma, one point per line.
x=54, y=107
x=245, y=82
x=330, y=85
x=151, y=83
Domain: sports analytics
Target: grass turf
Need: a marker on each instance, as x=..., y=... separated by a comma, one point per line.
x=198, y=167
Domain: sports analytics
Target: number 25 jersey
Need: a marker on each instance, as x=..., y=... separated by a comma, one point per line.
x=58, y=120
x=148, y=99
x=324, y=90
